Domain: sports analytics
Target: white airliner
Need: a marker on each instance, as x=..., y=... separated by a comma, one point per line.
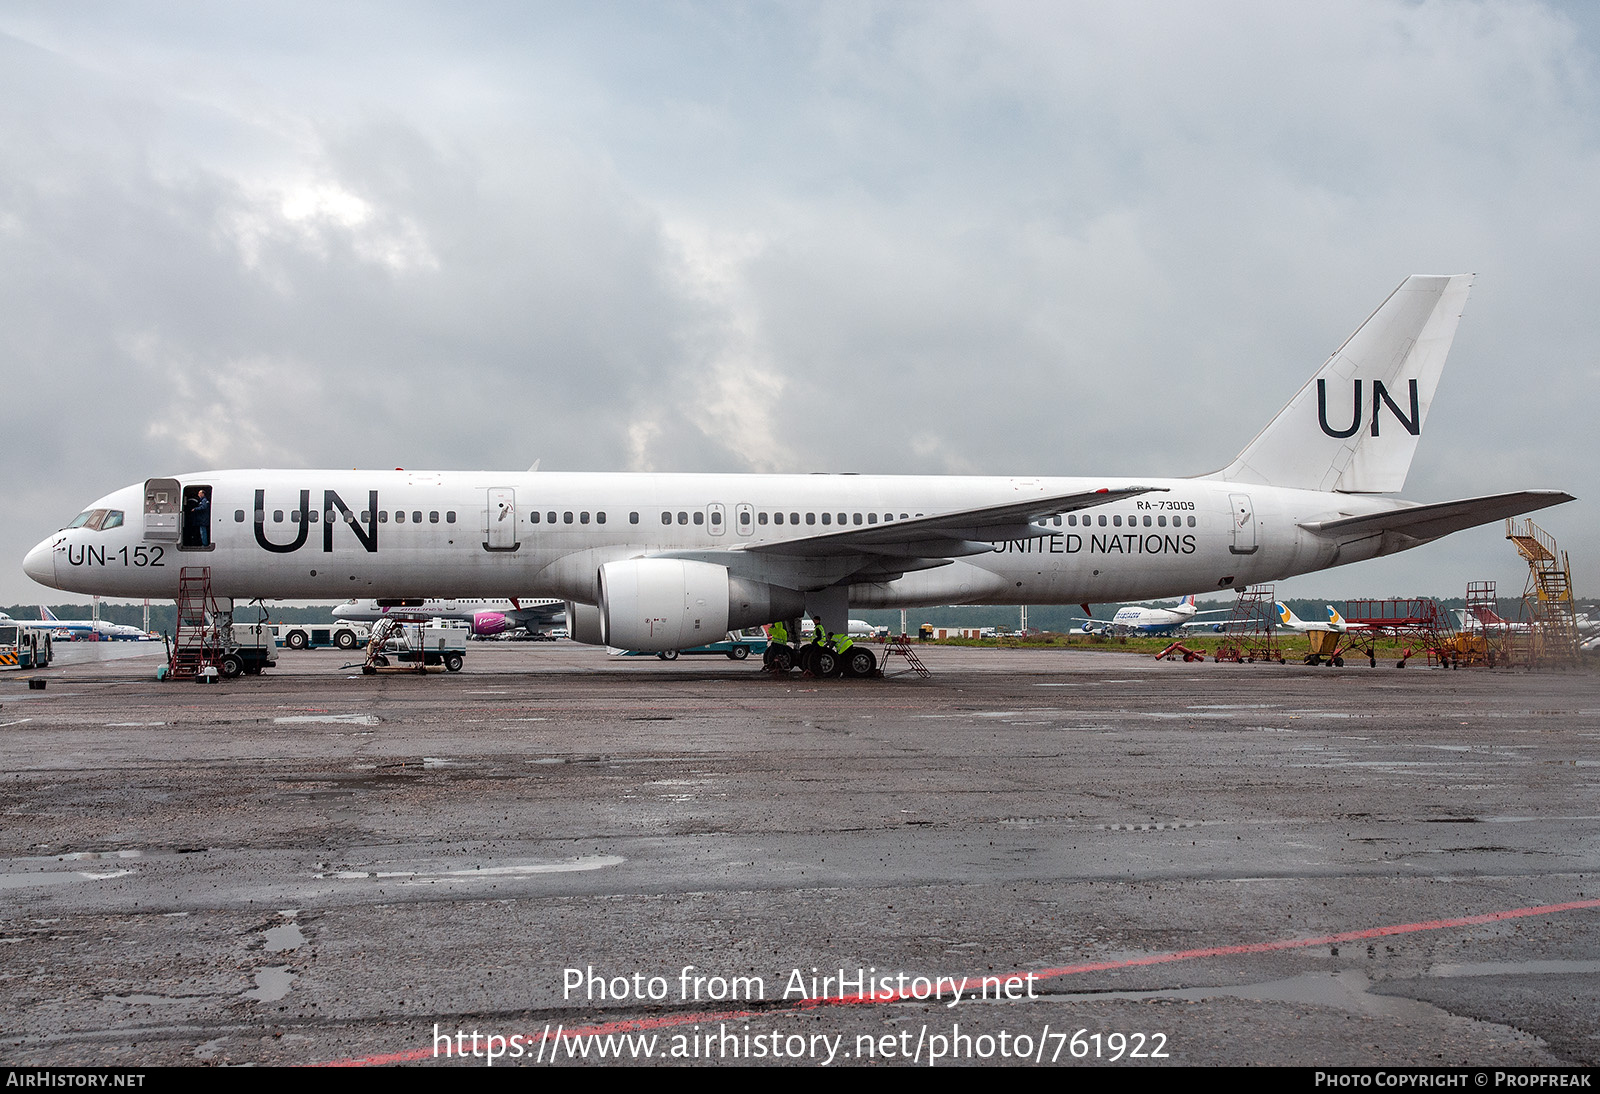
x=1138, y=619
x=858, y=628
x=88, y=629
x=656, y=562
x=486, y=616
x=1288, y=621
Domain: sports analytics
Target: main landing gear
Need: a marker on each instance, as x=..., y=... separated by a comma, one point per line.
x=820, y=662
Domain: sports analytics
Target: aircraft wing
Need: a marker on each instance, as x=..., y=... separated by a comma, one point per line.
x=1440, y=518
x=884, y=552
x=963, y=532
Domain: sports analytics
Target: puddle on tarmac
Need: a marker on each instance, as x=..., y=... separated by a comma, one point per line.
x=287, y=936
x=428, y=877
x=1345, y=991
x=336, y=719
x=272, y=984
x=1554, y=967
x=24, y=881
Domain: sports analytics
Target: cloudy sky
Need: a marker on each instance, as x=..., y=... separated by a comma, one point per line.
x=1055, y=238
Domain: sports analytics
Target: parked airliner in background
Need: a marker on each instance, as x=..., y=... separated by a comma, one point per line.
x=1138, y=619
x=486, y=616
x=88, y=629
x=1479, y=618
x=657, y=562
x=1288, y=621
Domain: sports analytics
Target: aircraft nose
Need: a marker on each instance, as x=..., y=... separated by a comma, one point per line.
x=40, y=564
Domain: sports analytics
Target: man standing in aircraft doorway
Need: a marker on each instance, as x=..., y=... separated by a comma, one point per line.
x=198, y=518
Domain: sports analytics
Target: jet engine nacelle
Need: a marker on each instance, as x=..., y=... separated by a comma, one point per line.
x=658, y=604
x=583, y=624
x=485, y=624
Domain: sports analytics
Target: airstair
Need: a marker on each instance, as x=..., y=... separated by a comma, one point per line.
x=899, y=644
x=198, y=640
x=1548, y=595
x=1250, y=634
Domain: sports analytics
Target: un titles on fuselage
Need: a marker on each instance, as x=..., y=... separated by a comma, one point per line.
x=331, y=502
x=1380, y=395
x=1109, y=543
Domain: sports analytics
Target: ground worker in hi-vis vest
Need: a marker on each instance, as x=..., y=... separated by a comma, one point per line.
x=778, y=633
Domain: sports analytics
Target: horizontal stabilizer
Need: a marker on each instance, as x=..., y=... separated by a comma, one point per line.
x=1440, y=518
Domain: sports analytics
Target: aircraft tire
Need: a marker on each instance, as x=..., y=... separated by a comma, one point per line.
x=781, y=658
x=860, y=663
x=826, y=663
x=295, y=640
x=345, y=640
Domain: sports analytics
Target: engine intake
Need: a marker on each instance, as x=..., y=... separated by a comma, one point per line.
x=658, y=604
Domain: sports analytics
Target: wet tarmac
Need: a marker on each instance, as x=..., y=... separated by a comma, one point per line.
x=1199, y=864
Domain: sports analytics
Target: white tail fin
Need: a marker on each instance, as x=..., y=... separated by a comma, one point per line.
x=1354, y=426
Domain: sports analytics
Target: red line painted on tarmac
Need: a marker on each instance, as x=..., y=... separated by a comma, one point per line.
x=669, y=1020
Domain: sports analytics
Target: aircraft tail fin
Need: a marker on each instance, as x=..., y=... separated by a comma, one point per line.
x=47, y=615
x=1334, y=617
x=1287, y=617
x=1354, y=426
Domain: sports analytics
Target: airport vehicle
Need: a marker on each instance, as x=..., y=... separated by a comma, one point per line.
x=657, y=562
x=318, y=636
x=1139, y=619
x=23, y=647
x=487, y=616
x=251, y=647
x=235, y=649
x=736, y=646
x=416, y=647
x=92, y=630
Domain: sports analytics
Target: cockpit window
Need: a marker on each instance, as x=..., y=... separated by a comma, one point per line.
x=91, y=519
x=113, y=520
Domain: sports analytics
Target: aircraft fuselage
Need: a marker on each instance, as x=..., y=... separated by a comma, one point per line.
x=335, y=534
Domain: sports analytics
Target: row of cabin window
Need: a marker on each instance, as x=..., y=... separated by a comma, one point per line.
x=827, y=518
x=333, y=515
x=697, y=517
x=1116, y=521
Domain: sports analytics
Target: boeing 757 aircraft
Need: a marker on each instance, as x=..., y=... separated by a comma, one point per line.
x=656, y=562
